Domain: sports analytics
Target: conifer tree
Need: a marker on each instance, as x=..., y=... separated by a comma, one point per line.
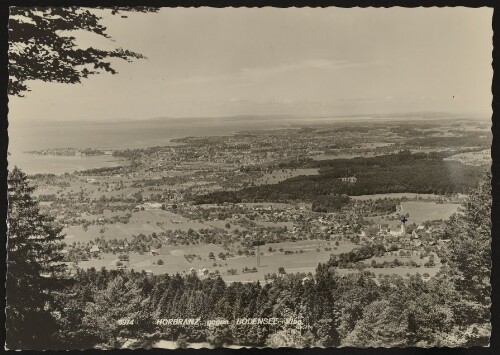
x=468, y=259
x=106, y=318
x=34, y=268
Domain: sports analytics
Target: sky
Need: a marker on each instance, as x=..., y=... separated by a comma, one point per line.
x=308, y=62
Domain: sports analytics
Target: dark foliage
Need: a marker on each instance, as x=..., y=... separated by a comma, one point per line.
x=332, y=203
x=402, y=172
x=41, y=45
x=363, y=253
x=34, y=269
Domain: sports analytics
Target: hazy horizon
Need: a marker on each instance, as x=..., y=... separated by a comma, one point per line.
x=300, y=119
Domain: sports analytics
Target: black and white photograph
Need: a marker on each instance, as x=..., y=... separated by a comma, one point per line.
x=249, y=177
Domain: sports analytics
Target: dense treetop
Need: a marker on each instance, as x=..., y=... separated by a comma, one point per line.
x=42, y=45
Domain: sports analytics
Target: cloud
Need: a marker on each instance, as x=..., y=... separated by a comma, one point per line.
x=323, y=64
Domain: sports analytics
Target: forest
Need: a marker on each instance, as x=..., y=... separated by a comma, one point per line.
x=392, y=173
x=469, y=139
x=330, y=203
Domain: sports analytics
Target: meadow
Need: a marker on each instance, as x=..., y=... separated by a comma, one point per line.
x=408, y=195
x=174, y=260
x=482, y=157
x=281, y=175
x=145, y=222
x=421, y=212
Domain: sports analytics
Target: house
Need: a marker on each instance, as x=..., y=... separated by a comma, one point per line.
x=203, y=271
x=152, y=205
x=154, y=252
x=71, y=268
x=395, y=233
x=349, y=179
x=307, y=278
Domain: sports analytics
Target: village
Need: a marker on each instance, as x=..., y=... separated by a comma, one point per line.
x=223, y=243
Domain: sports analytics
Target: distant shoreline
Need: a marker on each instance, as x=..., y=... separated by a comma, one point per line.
x=138, y=135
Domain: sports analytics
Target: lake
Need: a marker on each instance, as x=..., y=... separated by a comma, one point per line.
x=114, y=135
x=35, y=164
x=124, y=135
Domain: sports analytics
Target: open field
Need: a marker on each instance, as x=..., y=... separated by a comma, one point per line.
x=276, y=205
x=145, y=222
x=281, y=175
x=172, y=256
x=111, y=231
x=106, y=214
x=482, y=157
x=175, y=262
x=421, y=212
x=408, y=195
